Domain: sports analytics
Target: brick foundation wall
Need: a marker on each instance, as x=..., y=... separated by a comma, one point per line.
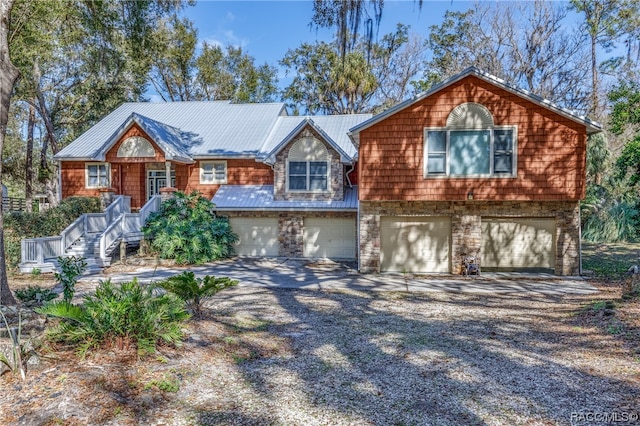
x=290, y=227
x=466, y=227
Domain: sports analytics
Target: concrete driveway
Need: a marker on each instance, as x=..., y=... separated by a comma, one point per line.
x=329, y=275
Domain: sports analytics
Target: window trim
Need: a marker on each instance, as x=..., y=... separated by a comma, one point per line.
x=213, y=180
x=308, y=177
x=491, y=174
x=107, y=167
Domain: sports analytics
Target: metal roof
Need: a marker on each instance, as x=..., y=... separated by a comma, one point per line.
x=592, y=126
x=207, y=129
x=260, y=197
x=333, y=128
x=220, y=129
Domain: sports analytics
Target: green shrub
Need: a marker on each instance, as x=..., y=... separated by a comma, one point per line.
x=35, y=295
x=187, y=230
x=50, y=222
x=118, y=317
x=195, y=290
x=70, y=269
x=610, y=212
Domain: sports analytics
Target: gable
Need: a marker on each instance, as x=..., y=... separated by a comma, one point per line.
x=481, y=79
x=549, y=156
x=135, y=146
x=332, y=129
x=197, y=129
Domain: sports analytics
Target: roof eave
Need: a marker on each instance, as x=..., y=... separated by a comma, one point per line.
x=179, y=159
x=591, y=126
x=76, y=158
x=270, y=158
x=281, y=209
x=232, y=156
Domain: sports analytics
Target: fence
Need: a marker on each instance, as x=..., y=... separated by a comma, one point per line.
x=12, y=204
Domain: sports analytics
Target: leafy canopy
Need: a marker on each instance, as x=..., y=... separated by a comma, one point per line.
x=187, y=230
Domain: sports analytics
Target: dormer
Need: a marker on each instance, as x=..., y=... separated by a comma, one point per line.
x=308, y=168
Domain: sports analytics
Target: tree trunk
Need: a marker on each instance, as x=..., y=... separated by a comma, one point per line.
x=47, y=176
x=28, y=175
x=595, y=108
x=50, y=178
x=8, y=76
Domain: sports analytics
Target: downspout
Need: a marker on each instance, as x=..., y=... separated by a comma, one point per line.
x=358, y=231
x=352, y=167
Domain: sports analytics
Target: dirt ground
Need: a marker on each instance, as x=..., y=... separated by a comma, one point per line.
x=295, y=357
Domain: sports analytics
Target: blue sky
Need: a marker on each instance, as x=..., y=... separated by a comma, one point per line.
x=267, y=29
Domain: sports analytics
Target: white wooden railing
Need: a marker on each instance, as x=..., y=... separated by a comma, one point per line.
x=38, y=249
x=127, y=224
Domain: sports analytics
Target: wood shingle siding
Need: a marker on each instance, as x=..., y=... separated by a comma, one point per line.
x=551, y=151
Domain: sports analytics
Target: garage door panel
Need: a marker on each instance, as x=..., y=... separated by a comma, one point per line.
x=257, y=236
x=518, y=243
x=415, y=244
x=333, y=238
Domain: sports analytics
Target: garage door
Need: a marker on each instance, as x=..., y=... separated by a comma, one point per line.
x=329, y=238
x=415, y=244
x=522, y=243
x=257, y=236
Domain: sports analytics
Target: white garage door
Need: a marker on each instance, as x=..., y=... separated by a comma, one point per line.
x=257, y=236
x=520, y=243
x=329, y=238
x=415, y=244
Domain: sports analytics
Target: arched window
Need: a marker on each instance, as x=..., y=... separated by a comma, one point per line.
x=470, y=145
x=136, y=146
x=308, y=166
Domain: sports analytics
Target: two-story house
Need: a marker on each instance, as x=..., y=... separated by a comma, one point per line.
x=472, y=166
x=287, y=183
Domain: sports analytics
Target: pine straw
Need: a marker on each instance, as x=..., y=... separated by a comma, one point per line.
x=293, y=357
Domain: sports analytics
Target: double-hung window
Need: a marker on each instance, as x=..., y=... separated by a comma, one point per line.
x=308, y=175
x=97, y=175
x=213, y=172
x=470, y=152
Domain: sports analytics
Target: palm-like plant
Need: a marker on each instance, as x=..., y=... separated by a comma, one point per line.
x=116, y=316
x=193, y=291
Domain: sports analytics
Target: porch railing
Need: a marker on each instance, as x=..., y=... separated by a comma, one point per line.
x=39, y=249
x=127, y=224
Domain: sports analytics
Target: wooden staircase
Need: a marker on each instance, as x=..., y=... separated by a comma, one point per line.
x=92, y=236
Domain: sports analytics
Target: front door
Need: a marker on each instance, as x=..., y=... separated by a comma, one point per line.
x=157, y=179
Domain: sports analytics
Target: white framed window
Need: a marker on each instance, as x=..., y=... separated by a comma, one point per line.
x=477, y=152
x=470, y=145
x=97, y=175
x=213, y=172
x=308, y=166
x=308, y=176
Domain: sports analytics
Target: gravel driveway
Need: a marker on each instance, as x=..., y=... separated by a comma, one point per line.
x=437, y=358
x=298, y=357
